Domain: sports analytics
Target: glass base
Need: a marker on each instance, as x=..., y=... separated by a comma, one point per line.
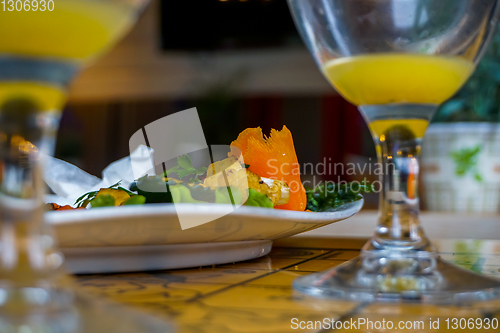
x=39, y=310
x=420, y=276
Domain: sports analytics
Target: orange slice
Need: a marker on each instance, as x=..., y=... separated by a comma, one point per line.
x=273, y=157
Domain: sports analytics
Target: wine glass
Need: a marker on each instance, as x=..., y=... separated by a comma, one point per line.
x=44, y=43
x=397, y=60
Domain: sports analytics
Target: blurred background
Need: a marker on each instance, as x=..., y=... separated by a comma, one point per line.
x=242, y=64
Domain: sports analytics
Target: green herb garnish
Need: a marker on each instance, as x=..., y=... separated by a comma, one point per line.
x=184, y=168
x=85, y=199
x=329, y=196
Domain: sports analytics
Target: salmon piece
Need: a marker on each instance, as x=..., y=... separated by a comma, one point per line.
x=54, y=206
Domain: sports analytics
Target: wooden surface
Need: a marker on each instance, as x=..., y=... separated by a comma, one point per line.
x=437, y=225
x=256, y=295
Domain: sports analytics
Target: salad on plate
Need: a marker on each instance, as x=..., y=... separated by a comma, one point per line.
x=263, y=171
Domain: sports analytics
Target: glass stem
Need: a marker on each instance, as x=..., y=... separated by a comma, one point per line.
x=399, y=224
x=398, y=143
x=27, y=255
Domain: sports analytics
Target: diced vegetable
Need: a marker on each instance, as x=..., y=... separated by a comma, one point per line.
x=257, y=199
x=228, y=195
x=182, y=194
x=135, y=200
x=202, y=193
x=104, y=200
x=230, y=170
x=119, y=196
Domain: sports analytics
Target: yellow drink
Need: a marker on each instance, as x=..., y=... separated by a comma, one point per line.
x=46, y=97
x=73, y=31
x=398, y=78
x=416, y=126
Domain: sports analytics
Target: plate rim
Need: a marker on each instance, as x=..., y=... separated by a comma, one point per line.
x=150, y=210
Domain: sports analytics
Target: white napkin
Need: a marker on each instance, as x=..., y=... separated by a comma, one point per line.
x=69, y=182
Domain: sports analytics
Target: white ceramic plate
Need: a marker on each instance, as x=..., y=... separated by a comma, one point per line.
x=149, y=237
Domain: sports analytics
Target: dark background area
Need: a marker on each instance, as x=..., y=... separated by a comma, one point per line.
x=215, y=24
x=94, y=135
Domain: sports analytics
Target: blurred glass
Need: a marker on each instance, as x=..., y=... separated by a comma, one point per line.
x=44, y=43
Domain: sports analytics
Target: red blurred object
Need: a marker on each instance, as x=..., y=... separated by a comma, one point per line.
x=341, y=131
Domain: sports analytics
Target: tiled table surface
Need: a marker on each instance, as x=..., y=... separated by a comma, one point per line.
x=256, y=295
